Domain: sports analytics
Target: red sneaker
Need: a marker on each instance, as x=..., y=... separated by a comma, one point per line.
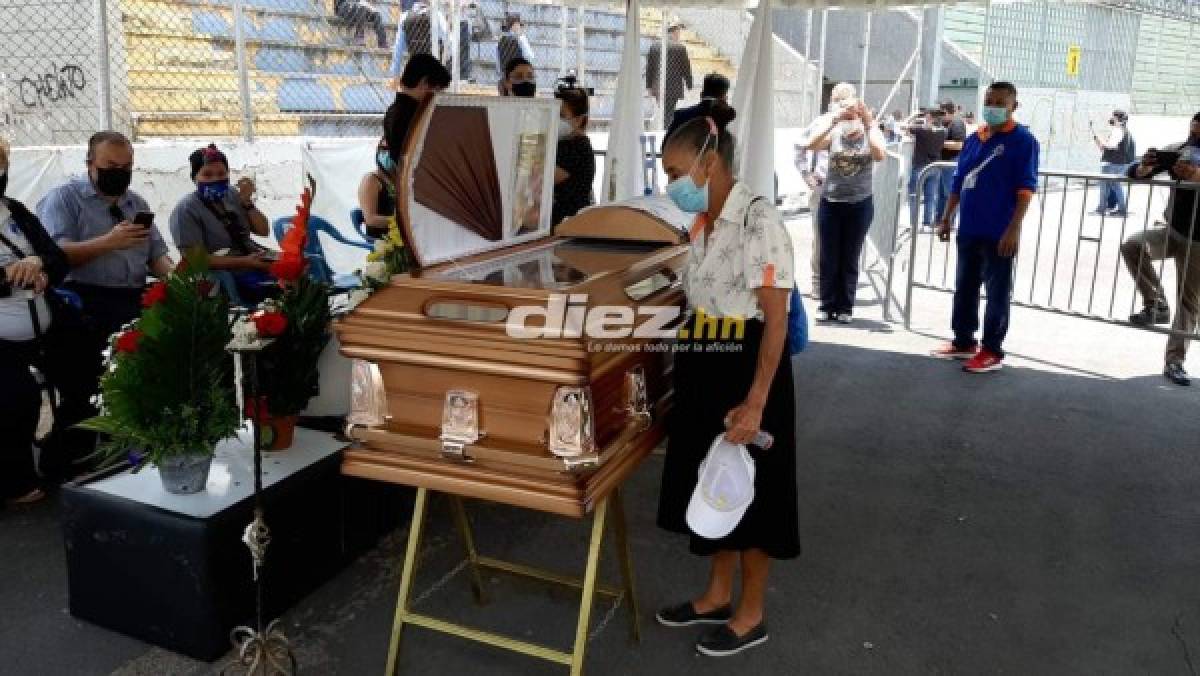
x=983, y=362
x=951, y=351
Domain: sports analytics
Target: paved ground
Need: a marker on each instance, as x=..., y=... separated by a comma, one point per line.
x=1037, y=521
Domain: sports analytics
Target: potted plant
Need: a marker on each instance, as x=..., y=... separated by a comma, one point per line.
x=298, y=322
x=167, y=392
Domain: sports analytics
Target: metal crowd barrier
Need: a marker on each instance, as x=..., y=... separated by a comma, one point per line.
x=1070, y=260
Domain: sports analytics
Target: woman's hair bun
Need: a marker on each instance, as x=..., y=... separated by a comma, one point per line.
x=721, y=113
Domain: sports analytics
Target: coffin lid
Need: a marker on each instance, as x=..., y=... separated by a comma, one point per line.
x=653, y=218
x=477, y=175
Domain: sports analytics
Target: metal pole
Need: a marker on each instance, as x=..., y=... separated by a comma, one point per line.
x=809, y=111
x=103, y=70
x=916, y=74
x=455, y=45
x=562, y=43
x=580, y=47
x=862, y=80
x=239, y=41
x=983, y=57
x=435, y=38
x=821, y=65
x=661, y=113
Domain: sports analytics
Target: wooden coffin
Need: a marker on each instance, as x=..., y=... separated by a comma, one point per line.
x=552, y=422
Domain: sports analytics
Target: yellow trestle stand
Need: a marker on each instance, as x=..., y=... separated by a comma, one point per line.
x=588, y=585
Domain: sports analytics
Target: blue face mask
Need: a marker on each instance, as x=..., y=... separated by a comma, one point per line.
x=683, y=191
x=385, y=161
x=689, y=197
x=213, y=191
x=995, y=115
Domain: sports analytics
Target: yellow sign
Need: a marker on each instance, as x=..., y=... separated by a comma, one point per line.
x=1074, y=55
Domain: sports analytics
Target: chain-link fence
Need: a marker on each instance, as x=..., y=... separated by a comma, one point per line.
x=255, y=68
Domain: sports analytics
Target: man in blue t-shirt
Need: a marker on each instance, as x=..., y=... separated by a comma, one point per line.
x=994, y=183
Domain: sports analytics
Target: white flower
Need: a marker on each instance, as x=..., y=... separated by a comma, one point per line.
x=382, y=245
x=356, y=297
x=377, y=271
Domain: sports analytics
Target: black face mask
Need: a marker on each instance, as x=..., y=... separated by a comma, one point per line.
x=526, y=89
x=113, y=182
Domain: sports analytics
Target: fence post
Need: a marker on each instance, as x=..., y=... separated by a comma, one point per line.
x=862, y=81
x=239, y=41
x=103, y=69
x=663, y=51
x=562, y=43
x=455, y=46
x=580, y=47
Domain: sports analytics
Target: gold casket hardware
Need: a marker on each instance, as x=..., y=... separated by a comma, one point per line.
x=637, y=401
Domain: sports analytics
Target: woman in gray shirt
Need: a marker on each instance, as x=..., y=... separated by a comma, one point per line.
x=855, y=144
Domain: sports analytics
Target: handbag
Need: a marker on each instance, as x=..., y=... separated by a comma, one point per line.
x=797, y=334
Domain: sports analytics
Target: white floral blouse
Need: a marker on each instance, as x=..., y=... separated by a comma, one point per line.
x=749, y=248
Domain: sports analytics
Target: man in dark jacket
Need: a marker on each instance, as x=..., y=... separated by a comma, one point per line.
x=679, y=72
x=1180, y=241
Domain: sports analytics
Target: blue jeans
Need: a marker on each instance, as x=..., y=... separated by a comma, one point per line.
x=928, y=198
x=1112, y=195
x=945, y=183
x=843, y=227
x=981, y=265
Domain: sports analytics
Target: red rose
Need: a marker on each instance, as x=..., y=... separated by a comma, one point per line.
x=205, y=287
x=269, y=324
x=128, y=341
x=288, y=268
x=156, y=294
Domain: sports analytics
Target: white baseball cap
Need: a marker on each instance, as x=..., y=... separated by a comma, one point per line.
x=724, y=490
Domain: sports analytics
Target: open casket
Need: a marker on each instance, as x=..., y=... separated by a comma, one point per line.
x=501, y=370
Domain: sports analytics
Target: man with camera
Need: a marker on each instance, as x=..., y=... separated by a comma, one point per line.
x=1116, y=154
x=1179, y=241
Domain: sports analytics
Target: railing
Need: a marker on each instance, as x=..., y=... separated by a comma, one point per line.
x=1073, y=266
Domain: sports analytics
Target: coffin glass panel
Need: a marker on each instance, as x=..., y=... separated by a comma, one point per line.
x=555, y=265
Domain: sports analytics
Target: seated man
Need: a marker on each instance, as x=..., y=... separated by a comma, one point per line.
x=92, y=218
x=221, y=221
x=519, y=79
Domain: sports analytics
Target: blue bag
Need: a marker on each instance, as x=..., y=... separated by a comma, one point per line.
x=797, y=335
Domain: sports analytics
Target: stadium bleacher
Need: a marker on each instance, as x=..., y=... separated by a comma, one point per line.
x=306, y=75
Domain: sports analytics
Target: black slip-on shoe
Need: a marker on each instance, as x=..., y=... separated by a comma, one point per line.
x=723, y=642
x=1176, y=374
x=685, y=615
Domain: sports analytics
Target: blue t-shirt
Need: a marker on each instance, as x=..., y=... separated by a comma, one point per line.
x=1002, y=164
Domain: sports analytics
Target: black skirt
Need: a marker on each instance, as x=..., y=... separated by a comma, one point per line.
x=709, y=381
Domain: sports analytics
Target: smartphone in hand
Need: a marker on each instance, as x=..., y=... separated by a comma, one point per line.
x=144, y=219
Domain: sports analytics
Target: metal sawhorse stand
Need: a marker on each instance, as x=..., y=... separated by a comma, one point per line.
x=588, y=585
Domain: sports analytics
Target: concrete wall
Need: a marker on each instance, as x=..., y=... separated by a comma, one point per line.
x=51, y=73
x=893, y=38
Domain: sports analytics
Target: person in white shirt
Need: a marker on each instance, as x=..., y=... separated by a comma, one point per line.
x=740, y=272
x=1117, y=152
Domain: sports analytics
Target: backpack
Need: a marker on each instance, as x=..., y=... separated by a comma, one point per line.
x=418, y=32
x=797, y=329
x=507, y=49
